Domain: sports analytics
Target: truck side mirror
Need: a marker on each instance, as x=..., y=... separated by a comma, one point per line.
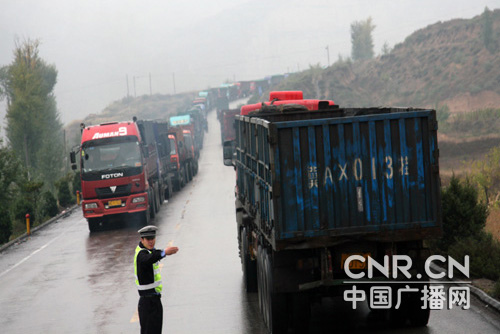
x=228, y=152
x=72, y=159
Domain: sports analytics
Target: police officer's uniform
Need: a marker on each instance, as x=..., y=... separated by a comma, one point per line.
x=149, y=285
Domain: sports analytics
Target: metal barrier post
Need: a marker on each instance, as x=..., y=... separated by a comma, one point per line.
x=77, y=197
x=28, y=223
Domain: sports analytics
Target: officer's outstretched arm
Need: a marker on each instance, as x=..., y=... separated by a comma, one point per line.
x=171, y=250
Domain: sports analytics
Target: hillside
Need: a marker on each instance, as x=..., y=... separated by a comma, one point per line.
x=446, y=65
x=144, y=107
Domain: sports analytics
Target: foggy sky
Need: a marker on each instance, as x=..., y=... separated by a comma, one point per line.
x=96, y=44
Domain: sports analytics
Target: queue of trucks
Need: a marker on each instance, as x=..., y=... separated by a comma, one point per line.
x=128, y=169
x=317, y=184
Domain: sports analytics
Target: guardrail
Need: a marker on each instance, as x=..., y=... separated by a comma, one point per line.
x=29, y=232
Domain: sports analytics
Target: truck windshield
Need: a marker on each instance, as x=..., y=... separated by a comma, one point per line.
x=111, y=153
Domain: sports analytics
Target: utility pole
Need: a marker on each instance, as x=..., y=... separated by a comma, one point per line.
x=128, y=92
x=328, y=55
x=173, y=76
x=150, y=90
x=66, y=167
x=135, y=93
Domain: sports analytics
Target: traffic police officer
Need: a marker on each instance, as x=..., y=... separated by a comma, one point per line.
x=148, y=279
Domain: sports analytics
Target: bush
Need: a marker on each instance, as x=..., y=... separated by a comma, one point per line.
x=463, y=215
x=496, y=290
x=76, y=183
x=5, y=225
x=63, y=193
x=48, y=205
x=442, y=113
x=22, y=206
x=484, y=254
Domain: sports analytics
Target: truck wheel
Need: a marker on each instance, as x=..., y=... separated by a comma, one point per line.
x=417, y=316
x=162, y=191
x=301, y=312
x=274, y=304
x=196, y=167
x=145, y=218
x=260, y=275
x=249, y=267
x=152, y=211
x=94, y=224
x=183, y=177
x=177, y=182
x=167, y=194
x=157, y=197
x=189, y=172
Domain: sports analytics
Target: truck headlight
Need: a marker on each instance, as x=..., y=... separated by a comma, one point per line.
x=138, y=199
x=90, y=205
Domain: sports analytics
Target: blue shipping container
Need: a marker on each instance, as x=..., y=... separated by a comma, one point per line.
x=370, y=173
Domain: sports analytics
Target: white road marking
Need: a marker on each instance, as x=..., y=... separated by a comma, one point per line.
x=29, y=256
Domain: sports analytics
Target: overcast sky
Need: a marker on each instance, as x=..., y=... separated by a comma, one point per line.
x=96, y=44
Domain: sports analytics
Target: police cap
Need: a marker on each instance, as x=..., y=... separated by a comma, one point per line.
x=148, y=231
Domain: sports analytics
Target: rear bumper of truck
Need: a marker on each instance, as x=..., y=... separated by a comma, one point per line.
x=96, y=208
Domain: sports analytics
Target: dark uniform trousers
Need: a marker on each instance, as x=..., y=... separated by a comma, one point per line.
x=150, y=314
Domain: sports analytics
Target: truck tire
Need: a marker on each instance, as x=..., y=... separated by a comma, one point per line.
x=162, y=191
x=94, y=224
x=260, y=274
x=274, y=308
x=249, y=267
x=157, y=197
x=177, y=181
x=301, y=312
x=182, y=177
x=151, y=209
x=189, y=172
x=167, y=193
x=145, y=217
x=196, y=167
x=417, y=316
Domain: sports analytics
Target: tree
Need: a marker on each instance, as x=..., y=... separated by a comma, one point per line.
x=63, y=192
x=361, y=38
x=5, y=225
x=48, y=205
x=386, y=49
x=486, y=174
x=487, y=33
x=463, y=215
x=33, y=126
x=9, y=175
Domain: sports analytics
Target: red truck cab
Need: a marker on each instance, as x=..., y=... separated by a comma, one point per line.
x=282, y=98
x=113, y=173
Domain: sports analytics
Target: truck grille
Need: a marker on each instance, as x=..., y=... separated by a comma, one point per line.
x=120, y=191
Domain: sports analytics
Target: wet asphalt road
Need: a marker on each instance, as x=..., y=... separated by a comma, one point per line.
x=65, y=280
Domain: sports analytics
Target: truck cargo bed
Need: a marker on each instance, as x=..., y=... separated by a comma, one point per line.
x=312, y=179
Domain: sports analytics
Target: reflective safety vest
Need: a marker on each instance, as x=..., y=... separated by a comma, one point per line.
x=157, y=284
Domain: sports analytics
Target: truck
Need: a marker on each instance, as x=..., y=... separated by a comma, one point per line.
x=175, y=168
x=227, y=129
x=184, y=168
x=317, y=184
x=120, y=171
